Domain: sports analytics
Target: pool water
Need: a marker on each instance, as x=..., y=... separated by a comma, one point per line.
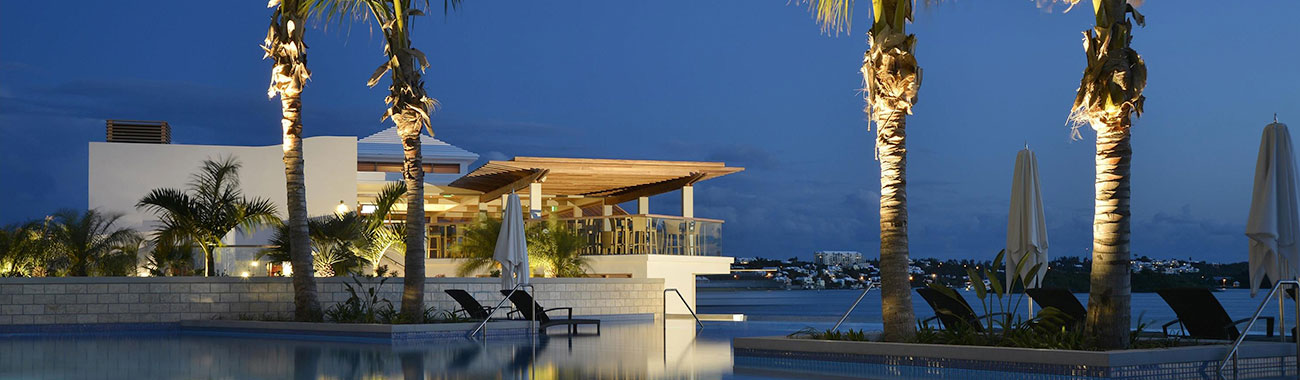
x=624, y=350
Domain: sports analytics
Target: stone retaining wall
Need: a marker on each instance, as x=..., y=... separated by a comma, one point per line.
x=66, y=300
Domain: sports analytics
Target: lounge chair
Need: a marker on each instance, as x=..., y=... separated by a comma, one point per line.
x=524, y=305
x=1060, y=299
x=952, y=312
x=468, y=304
x=1201, y=315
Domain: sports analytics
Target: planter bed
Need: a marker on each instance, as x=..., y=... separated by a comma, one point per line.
x=351, y=331
x=906, y=360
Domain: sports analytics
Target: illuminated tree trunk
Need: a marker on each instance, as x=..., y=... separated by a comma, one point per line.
x=896, y=289
x=1108, y=298
x=306, y=305
x=284, y=44
x=409, y=127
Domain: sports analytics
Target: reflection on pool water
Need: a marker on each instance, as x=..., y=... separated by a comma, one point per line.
x=624, y=350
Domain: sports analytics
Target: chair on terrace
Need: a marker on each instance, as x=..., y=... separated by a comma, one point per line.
x=1062, y=300
x=468, y=304
x=524, y=305
x=952, y=312
x=1202, y=316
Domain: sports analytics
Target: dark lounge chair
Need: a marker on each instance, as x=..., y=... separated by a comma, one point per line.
x=1202, y=316
x=1060, y=299
x=524, y=305
x=952, y=312
x=468, y=304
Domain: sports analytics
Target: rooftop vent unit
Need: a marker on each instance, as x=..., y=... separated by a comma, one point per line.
x=139, y=131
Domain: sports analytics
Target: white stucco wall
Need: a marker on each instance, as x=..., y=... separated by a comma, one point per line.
x=121, y=174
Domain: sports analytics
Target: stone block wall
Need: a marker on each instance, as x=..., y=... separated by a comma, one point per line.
x=72, y=300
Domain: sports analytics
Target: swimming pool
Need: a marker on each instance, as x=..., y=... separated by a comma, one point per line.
x=624, y=350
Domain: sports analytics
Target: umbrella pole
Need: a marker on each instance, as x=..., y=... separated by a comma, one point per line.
x=1281, y=315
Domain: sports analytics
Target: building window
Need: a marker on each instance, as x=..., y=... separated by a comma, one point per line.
x=396, y=167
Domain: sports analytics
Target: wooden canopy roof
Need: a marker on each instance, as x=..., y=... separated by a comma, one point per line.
x=616, y=180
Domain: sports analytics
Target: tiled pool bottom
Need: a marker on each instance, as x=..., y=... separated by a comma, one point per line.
x=624, y=350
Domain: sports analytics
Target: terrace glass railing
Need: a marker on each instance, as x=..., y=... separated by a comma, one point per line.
x=614, y=235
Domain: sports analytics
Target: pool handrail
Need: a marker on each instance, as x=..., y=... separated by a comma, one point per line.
x=855, y=305
x=1236, y=345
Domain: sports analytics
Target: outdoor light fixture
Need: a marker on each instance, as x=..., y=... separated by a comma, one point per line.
x=244, y=274
x=342, y=208
x=253, y=264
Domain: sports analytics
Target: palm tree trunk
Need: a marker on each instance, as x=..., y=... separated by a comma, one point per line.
x=208, y=262
x=896, y=289
x=409, y=127
x=1108, y=299
x=305, y=304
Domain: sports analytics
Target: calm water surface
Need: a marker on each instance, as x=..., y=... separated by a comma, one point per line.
x=625, y=350
x=829, y=305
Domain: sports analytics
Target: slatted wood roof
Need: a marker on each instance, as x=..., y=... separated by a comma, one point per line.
x=590, y=177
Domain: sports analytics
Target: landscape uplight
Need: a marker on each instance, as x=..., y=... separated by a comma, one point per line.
x=244, y=274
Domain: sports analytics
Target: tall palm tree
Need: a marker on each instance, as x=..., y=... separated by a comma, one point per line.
x=210, y=207
x=1110, y=94
x=892, y=77
x=285, y=46
x=409, y=107
x=88, y=243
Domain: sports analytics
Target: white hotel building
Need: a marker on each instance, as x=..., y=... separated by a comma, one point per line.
x=342, y=170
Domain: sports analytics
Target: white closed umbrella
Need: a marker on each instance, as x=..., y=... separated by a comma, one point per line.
x=1026, y=226
x=512, y=245
x=1272, y=225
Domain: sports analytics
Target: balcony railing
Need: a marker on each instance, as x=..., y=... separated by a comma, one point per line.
x=615, y=235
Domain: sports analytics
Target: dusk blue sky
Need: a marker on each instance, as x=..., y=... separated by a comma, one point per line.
x=752, y=83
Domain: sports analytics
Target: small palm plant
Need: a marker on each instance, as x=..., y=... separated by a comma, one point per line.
x=556, y=248
x=89, y=243
x=477, y=245
x=341, y=242
x=23, y=249
x=175, y=259
x=211, y=206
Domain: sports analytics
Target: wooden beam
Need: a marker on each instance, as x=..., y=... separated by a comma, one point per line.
x=634, y=192
x=538, y=175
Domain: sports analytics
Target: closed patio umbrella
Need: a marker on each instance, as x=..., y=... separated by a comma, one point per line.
x=512, y=245
x=1272, y=225
x=1026, y=227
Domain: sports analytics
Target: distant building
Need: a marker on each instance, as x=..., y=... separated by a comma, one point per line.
x=842, y=258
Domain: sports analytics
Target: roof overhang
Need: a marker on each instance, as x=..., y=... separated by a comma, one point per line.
x=615, y=181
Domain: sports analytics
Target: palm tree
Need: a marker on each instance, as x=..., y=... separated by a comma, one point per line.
x=339, y=242
x=175, y=259
x=211, y=207
x=23, y=249
x=285, y=46
x=477, y=246
x=88, y=243
x=380, y=234
x=1110, y=94
x=409, y=107
x=892, y=78
x=555, y=248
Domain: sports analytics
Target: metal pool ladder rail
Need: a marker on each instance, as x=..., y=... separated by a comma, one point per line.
x=1236, y=345
x=687, y=304
x=483, y=326
x=855, y=305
